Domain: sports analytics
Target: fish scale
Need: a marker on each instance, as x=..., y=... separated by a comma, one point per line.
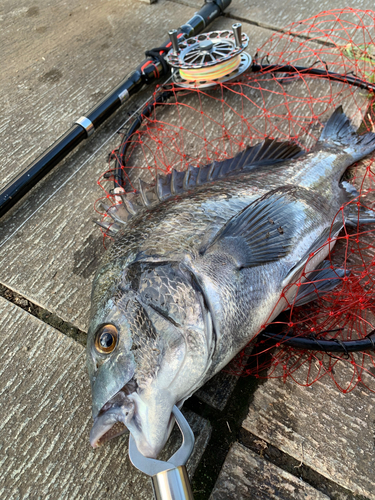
x=211, y=255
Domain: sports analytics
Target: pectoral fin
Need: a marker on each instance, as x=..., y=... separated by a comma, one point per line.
x=262, y=232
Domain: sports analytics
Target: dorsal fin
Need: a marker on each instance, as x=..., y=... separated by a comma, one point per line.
x=268, y=152
x=177, y=182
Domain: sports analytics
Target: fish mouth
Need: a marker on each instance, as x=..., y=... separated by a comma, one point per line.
x=114, y=422
x=103, y=431
x=122, y=413
x=114, y=417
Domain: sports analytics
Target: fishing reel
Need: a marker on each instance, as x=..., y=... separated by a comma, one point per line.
x=209, y=58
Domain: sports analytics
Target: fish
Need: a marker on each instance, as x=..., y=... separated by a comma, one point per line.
x=200, y=261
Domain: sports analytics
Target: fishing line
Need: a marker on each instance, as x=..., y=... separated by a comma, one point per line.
x=218, y=71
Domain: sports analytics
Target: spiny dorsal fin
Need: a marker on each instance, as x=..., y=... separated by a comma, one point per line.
x=177, y=182
x=118, y=212
x=191, y=176
x=128, y=204
x=147, y=193
x=166, y=186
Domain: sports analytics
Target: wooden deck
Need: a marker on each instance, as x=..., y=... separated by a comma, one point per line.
x=57, y=61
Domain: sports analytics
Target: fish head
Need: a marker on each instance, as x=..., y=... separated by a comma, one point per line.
x=150, y=343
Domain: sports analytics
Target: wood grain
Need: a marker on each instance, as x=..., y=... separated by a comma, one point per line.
x=329, y=431
x=277, y=15
x=58, y=59
x=246, y=476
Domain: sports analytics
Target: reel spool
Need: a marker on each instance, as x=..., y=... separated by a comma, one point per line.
x=209, y=58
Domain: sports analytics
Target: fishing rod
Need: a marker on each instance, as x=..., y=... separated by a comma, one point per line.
x=149, y=71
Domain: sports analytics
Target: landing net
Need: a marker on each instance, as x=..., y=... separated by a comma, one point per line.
x=196, y=127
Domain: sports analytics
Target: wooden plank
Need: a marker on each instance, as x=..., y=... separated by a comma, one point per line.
x=247, y=476
x=280, y=14
x=58, y=59
x=217, y=391
x=45, y=420
x=329, y=431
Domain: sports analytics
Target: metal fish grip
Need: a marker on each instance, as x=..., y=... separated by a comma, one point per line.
x=169, y=479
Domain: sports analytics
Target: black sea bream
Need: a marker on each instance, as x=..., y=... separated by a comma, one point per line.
x=198, y=265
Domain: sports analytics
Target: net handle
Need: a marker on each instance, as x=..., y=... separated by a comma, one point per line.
x=313, y=344
x=118, y=171
x=311, y=71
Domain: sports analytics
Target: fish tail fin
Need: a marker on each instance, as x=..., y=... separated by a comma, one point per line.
x=338, y=131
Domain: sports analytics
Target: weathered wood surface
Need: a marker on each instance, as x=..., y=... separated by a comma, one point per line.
x=245, y=475
x=58, y=59
x=217, y=391
x=281, y=13
x=52, y=259
x=45, y=420
x=331, y=432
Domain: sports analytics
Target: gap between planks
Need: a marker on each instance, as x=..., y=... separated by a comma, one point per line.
x=259, y=24
x=43, y=315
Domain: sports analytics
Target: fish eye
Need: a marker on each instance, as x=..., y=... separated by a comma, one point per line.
x=106, y=339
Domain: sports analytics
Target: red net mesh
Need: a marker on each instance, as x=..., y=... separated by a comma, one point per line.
x=195, y=127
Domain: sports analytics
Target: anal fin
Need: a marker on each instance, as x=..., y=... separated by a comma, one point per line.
x=319, y=282
x=332, y=232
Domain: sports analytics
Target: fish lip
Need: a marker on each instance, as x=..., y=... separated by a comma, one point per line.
x=117, y=410
x=107, y=419
x=104, y=422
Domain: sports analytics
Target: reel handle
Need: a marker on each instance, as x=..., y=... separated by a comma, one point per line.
x=172, y=484
x=173, y=37
x=237, y=31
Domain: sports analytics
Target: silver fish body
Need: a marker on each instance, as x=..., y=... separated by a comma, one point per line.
x=195, y=274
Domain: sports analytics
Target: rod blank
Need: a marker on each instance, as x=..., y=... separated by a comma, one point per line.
x=144, y=74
